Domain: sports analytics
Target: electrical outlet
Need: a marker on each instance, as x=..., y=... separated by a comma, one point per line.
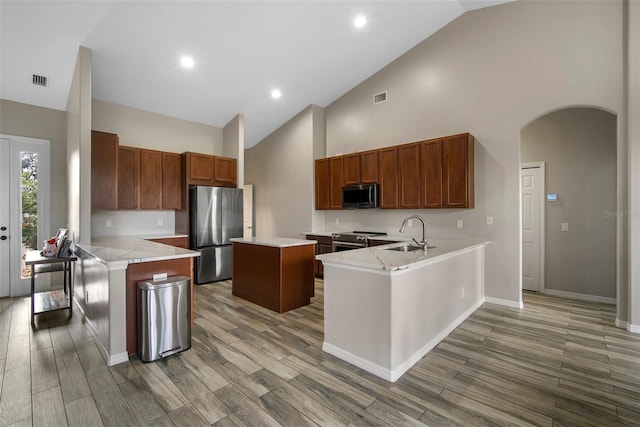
x=565, y=226
x=159, y=221
x=410, y=223
x=462, y=292
x=489, y=220
x=459, y=223
x=337, y=220
x=107, y=223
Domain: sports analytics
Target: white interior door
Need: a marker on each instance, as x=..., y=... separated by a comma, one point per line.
x=247, y=228
x=5, y=210
x=532, y=237
x=24, y=206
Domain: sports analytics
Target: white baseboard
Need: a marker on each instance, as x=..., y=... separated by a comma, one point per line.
x=634, y=329
x=395, y=374
x=117, y=358
x=505, y=302
x=580, y=297
x=621, y=324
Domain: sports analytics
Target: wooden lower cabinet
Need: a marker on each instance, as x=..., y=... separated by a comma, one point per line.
x=324, y=246
x=138, y=272
x=277, y=278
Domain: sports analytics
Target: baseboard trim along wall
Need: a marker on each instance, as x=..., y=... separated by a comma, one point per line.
x=581, y=297
x=634, y=329
x=504, y=302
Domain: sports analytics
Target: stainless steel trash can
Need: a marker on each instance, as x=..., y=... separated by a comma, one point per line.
x=164, y=317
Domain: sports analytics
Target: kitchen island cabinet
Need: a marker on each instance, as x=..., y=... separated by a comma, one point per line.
x=385, y=309
x=275, y=273
x=106, y=276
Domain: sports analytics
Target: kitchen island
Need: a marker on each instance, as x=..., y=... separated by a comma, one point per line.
x=106, y=277
x=274, y=272
x=385, y=309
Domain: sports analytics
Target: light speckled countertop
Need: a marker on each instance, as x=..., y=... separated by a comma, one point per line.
x=135, y=249
x=278, y=242
x=380, y=258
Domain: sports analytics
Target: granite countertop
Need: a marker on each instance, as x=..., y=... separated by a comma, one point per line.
x=278, y=242
x=379, y=258
x=134, y=249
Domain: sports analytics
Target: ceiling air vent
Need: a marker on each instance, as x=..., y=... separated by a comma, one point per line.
x=379, y=97
x=40, y=80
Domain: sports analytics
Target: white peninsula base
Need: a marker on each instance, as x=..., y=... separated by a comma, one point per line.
x=384, y=320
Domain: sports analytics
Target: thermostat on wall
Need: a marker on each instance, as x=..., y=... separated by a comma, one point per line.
x=552, y=197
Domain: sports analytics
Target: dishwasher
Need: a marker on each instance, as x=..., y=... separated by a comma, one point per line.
x=164, y=317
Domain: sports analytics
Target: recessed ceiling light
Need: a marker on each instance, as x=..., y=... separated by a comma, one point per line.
x=359, y=21
x=276, y=93
x=187, y=62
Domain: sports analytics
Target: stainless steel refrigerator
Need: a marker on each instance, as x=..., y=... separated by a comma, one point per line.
x=215, y=218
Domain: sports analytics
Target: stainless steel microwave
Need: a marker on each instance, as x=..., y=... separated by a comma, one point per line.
x=361, y=196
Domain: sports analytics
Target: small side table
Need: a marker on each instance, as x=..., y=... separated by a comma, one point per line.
x=42, y=302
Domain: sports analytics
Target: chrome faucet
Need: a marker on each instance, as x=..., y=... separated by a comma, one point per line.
x=423, y=242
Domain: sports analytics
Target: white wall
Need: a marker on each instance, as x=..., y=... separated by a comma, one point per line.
x=233, y=144
x=280, y=168
x=138, y=128
x=578, y=146
x=490, y=72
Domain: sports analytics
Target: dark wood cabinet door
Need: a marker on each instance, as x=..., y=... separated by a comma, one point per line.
x=351, y=166
x=322, y=184
x=171, y=181
x=201, y=168
x=104, y=170
x=369, y=167
x=225, y=170
x=458, y=171
x=150, y=179
x=335, y=182
x=128, y=177
x=431, y=173
x=388, y=177
x=409, y=176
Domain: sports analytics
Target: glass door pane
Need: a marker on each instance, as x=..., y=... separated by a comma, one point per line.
x=29, y=210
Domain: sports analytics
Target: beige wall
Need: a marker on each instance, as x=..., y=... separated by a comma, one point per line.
x=43, y=123
x=138, y=128
x=233, y=144
x=280, y=168
x=578, y=146
x=490, y=72
x=79, y=149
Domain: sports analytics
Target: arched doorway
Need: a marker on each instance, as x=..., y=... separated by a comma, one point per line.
x=578, y=201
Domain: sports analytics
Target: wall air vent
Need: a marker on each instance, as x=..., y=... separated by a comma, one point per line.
x=379, y=97
x=40, y=80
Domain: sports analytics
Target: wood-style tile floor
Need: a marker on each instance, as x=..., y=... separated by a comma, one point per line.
x=556, y=362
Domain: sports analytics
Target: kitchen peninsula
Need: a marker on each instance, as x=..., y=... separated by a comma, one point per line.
x=384, y=309
x=274, y=272
x=106, y=275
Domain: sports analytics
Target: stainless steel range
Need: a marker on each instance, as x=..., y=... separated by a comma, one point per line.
x=352, y=240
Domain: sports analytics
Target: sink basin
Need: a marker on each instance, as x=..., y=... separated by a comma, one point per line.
x=405, y=248
x=409, y=248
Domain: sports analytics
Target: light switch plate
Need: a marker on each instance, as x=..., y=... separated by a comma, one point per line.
x=489, y=220
x=565, y=226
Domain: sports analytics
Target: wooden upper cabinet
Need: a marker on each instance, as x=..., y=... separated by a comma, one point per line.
x=431, y=174
x=128, y=177
x=150, y=179
x=351, y=169
x=225, y=170
x=322, y=183
x=369, y=167
x=458, y=171
x=205, y=169
x=104, y=170
x=388, y=177
x=200, y=168
x=171, y=181
x=335, y=182
x=409, y=176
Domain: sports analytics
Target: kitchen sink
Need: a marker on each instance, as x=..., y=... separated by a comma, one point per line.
x=408, y=248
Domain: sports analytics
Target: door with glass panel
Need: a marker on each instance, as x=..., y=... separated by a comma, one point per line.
x=24, y=208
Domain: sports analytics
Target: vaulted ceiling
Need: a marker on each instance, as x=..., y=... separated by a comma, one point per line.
x=242, y=50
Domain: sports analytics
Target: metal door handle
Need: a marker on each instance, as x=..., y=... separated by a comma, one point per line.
x=3, y=228
x=3, y=237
